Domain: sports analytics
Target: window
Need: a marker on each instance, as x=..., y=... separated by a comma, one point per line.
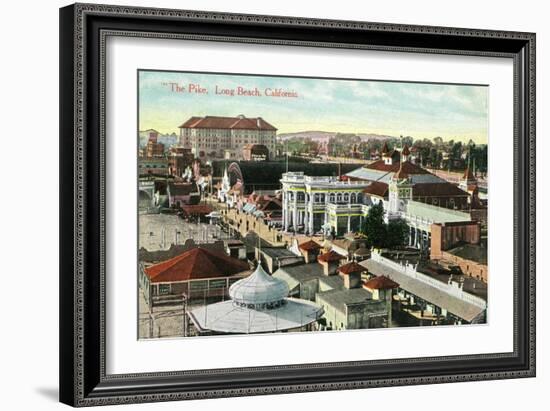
x=164, y=289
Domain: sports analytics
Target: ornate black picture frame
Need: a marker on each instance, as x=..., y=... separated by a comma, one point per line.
x=83, y=30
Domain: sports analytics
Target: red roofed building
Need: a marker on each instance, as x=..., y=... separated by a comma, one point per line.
x=330, y=261
x=351, y=273
x=382, y=289
x=350, y=268
x=418, y=183
x=377, y=189
x=214, y=136
x=309, y=245
x=197, y=273
x=331, y=257
x=380, y=283
x=468, y=183
x=310, y=250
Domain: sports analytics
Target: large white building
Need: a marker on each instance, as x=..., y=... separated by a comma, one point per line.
x=225, y=137
x=328, y=204
x=312, y=204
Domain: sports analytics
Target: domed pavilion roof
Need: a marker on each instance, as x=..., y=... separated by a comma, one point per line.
x=257, y=289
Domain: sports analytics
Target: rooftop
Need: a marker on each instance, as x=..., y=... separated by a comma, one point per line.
x=473, y=252
x=258, y=288
x=351, y=267
x=407, y=167
x=197, y=209
x=197, y=263
x=278, y=252
x=340, y=298
x=302, y=273
x=175, y=250
x=380, y=283
x=309, y=245
x=461, y=308
x=226, y=317
x=218, y=122
x=377, y=188
x=331, y=256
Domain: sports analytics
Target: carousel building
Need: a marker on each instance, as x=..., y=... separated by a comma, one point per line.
x=259, y=304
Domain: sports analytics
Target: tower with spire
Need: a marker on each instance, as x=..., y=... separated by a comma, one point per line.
x=225, y=186
x=468, y=183
x=399, y=191
x=405, y=154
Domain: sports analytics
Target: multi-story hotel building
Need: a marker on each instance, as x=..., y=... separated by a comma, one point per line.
x=216, y=137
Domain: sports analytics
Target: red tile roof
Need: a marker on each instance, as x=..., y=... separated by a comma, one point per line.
x=197, y=209
x=401, y=174
x=237, y=123
x=351, y=268
x=385, y=148
x=309, y=246
x=194, y=264
x=189, y=122
x=331, y=256
x=437, y=190
x=377, y=188
x=408, y=167
x=380, y=283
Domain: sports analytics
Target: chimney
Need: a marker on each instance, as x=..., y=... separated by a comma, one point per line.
x=259, y=122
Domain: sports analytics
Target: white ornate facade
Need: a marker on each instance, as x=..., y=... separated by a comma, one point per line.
x=314, y=204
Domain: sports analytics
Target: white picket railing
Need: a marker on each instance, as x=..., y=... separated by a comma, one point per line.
x=410, y=271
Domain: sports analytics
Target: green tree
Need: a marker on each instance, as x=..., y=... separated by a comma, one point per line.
x=396, y=233
x=408, y=140
x=374, y=227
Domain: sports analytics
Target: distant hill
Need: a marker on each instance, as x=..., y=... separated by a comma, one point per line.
x=327, y=135
x=373, y=136
x=167, y=139
x=313, y=135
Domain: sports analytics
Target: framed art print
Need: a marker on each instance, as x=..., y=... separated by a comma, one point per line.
x=258, y=204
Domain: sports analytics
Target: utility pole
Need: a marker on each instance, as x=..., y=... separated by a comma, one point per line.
x=286, y=153
x=184, y=315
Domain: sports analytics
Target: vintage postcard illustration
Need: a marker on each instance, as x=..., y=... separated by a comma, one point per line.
x=272, y=204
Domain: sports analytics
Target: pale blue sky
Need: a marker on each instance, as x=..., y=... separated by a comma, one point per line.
x=417, y=109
